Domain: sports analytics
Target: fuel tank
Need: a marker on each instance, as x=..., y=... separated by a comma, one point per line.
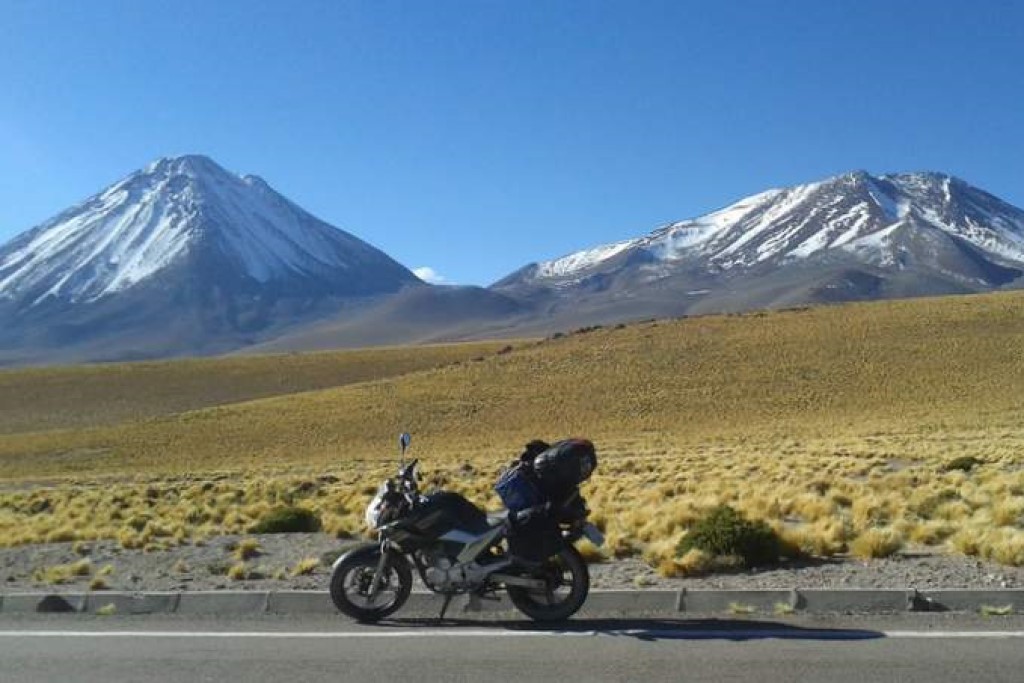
x=440, y=513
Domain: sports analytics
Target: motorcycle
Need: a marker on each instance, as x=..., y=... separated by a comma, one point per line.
x=456, y=548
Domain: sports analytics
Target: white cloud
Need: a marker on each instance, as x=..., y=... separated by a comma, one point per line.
x=428, y=274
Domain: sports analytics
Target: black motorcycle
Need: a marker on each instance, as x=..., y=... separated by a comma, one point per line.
x=456, y=548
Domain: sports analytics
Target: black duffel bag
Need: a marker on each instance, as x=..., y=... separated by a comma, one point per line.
x=565, y=465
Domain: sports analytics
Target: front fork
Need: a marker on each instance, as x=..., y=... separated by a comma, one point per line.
x=378, y=573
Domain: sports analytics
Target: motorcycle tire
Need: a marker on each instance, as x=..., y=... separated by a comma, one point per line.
x=538, y=606
x=359, y=565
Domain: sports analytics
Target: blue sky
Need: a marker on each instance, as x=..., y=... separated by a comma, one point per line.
x=475, y=137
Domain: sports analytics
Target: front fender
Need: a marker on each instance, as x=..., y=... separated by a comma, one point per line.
x=370, y=553
x=362, y=551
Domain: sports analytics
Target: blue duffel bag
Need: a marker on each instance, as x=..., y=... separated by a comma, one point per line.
x=517, y=489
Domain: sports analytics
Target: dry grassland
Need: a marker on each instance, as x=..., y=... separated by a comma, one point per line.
x=833, y=424
x=89, y=395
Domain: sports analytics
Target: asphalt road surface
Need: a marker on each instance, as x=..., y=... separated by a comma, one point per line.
x=927, y=648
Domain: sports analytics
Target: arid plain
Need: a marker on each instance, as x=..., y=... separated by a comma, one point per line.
x=856, y=428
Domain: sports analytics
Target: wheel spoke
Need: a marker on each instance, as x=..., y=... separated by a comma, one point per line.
x=357, y=587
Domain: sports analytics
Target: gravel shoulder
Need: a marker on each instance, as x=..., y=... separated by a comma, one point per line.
x=205, y=567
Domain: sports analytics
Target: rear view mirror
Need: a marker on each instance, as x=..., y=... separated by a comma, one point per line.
x=403, y=441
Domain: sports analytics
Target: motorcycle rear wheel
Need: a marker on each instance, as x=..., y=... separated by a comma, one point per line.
x=568, y=582
x=351, y=580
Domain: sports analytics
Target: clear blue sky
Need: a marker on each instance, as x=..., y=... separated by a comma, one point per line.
x=474, y=137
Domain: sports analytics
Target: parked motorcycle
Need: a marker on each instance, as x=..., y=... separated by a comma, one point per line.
x=456, y=548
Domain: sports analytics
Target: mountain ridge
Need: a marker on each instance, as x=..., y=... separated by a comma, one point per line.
x=157, y=216
x=189, y=259
x=770, y=221
x=179, y=257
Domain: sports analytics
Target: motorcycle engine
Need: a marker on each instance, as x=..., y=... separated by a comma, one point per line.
x=436, y=573
x=442, y=573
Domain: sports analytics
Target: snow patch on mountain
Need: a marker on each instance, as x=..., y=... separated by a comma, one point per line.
x=853, y=213
x=153, y=218
x=581, y=260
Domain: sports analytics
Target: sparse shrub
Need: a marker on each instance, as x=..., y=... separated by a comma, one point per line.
x=964, y=463
x=306, y=566
x=818, y=540
x=591, y=553
x=197, y=516
x=80, y=568
x=218, y=567
x=953, y=511
x=339, y=527
x=62, y=573
x=928, y=507
x=842, y=500
x=991, y=611
x=107, y=610
x=287, y=520
x=820, y=486
x=724, y=531
x=966, y=543
x=247, y=548
x=238, y=572
x=931, y=532
x=62, y=535
x=138, y=522
x=1007, y=513
x=876, y=543
x=1005, y=546
x=873, y=511
x=783, y=608
x=98, y=583
x=693, y=563
x=643, y=581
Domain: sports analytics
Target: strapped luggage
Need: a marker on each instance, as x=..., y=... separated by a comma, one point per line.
x=546, y=473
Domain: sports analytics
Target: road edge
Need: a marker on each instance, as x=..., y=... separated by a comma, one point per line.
x=623, y=603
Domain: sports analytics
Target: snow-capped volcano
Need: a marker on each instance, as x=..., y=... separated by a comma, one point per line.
x=853, y=214
x=181, y=256
x=171, y=210
x=854, y=236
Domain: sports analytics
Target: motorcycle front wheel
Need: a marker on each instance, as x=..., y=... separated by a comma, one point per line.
x=352, y=578
x=567, y=582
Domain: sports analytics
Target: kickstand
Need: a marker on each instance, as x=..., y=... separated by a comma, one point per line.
x=444, y=606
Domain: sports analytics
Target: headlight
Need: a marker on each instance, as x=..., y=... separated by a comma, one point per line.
x=376, y=507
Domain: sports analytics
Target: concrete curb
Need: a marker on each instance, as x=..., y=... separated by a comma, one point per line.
x=628, y=603
x=228, y=603
x=131, y=603
x=739, y=601
x=950, y=600
x=862, y=600
x=42, y=602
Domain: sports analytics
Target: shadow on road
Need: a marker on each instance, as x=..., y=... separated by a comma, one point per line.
x=656, y=628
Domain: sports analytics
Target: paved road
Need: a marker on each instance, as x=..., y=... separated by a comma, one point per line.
x=861, y=650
